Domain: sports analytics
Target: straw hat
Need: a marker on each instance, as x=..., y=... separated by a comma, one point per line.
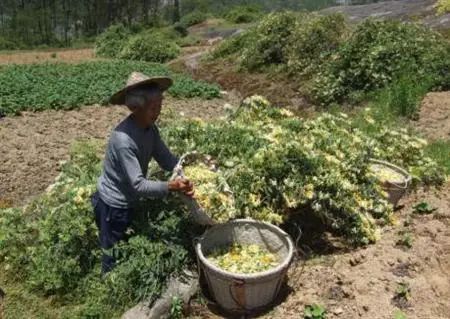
x=136, y=80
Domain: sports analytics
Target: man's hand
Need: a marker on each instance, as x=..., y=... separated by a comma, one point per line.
x=182, y=185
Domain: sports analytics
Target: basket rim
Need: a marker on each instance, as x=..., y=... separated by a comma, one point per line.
x=407, y=177
x=240, y=276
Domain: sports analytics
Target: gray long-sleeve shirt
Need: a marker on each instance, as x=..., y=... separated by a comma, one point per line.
x=130, y=149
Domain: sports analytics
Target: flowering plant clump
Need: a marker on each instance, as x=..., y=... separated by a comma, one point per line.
x=280, y=167
x=211, y=193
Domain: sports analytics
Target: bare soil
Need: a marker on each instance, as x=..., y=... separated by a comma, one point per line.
x=434, y=116
x=33, y=144
x=56, y=55
x=277, y=89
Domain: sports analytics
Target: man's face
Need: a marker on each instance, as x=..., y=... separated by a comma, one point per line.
x=150, y=113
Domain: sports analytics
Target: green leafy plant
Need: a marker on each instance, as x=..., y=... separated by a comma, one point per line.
x=66, y=86
x=176, y=308
x=403, y=291
x=150, y=47
x=315, y=311
x=193, y=18
x=314, y=39
x=439, y=150
x=443, y=6
x=405, y=240
x=376, y=53
x=270, y=38
x=111, y=42
x=423, y=208
x=398, y=314
x=243, y=14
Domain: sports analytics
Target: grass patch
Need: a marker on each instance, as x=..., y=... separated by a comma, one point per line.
x=440, y=152
x=66, y=86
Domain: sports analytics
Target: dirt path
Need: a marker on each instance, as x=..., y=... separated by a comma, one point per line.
x=362, y=283
x=33, y=144
x=434, y=116
x=56, y=55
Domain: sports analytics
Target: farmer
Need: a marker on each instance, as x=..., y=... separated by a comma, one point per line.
x=132, y=145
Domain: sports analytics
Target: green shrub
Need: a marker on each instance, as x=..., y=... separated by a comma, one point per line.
x=7, y=44
x=180, y=29
x=150, y=47
x=244, y=14
x=63, y=258
x=443, y=6
x=313, y=40
x=233, y=45
x=66, y=86
x=111, y=42
x=269, y=40
x=193, y=18
x=377, y=52
x=189, y=41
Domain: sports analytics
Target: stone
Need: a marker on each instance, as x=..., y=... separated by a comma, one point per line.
x=338, y=311
x=184, y=287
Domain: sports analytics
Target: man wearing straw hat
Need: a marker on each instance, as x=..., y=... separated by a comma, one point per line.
x=132, y=145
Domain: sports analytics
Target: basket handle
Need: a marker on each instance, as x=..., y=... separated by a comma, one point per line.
x=237, y=284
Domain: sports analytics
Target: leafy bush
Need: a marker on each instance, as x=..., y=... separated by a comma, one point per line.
x=378, y=51
x=243, y=14
x=233, y=45
x=181, y=29
x=443, y=6
x=189, y=41
x=313, y=40
x=271, y=36
x=336, y=63
x=66, y=86
x=7, y=44
x=150, y=47
x=193, y=18
x=111, y=42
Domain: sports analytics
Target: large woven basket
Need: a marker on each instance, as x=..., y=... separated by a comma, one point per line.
x=244, y=293
x=395, y=190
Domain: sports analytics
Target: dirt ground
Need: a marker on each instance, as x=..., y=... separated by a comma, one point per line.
x=434, y=116
x=363, y=283
x=56, y=55
x=276, y=89
x=33, y=144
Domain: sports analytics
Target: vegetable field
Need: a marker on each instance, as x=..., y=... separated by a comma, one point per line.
x=66, y=86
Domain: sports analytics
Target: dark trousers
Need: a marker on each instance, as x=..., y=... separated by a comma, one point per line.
x=112, y=224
